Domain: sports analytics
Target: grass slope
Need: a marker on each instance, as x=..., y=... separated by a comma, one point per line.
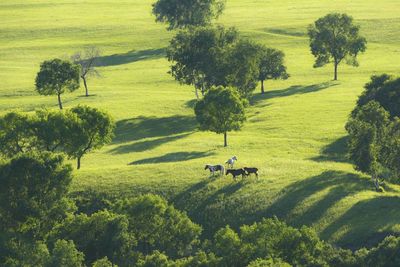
x=294, y=133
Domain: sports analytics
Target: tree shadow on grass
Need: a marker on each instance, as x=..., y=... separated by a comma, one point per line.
x=145, y=127
x=335, y=151
x=367, y=222
x=205, y=203
x=172, y=157
x=129, y=57
x=339, y=184
x=141, y=146
x=292, y=90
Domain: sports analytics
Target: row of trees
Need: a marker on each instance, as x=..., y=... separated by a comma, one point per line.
x=74, y=132
x=42, y=225
x=374, y=130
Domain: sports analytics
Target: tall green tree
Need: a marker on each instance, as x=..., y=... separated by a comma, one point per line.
x=184, y=13
x=198, y=56
x=272, y=66
x=242, y=66
x=335, y=38
x=33, y=193
x=55, y=77
x=367, y=130
x=220, y=111
x=95, y=129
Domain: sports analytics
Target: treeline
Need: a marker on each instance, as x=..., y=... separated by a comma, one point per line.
x=41, y=224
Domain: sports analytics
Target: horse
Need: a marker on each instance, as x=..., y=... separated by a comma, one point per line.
x=251, y=170
x=231, y=161
x=236, y=172
x=214, y=168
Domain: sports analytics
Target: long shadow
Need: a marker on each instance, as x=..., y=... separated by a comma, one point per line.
x=207, y=204
x=292, y=90
x=172, y=157
x=141, y=146
x=335, y=151
x=145, y=127
x=129, y=57
x=339, y=184
x=367, y=222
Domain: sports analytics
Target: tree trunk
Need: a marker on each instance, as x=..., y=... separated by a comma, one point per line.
x=336, y=67
x=225, y=140
x=197, y=93
x=59, y=101
x=78, y=163
x=85, y=84
x=262, y=86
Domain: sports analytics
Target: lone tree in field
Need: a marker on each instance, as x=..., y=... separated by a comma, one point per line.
x=87, y=62
x=272, y=66
x=220, y=111
x=335, y=38
x=56, y=76
x=95, y=129
x=181, y=14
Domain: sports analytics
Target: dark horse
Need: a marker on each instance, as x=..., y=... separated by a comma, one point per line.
x=251, y=170
x=236, y=172
x=215, y=168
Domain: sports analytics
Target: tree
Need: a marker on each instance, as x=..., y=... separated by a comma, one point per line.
x=16, y=134
x=181, y=14
x=241, y=65
x=272, y=66
x=56, y=76
x=198, y=56
x=159, y=226
x=220, y=111
x=96, y=128
x=102, y=234
x=335, y=38
x=367, y=130
x=33, y=193
x=87, y=61
x=383, y=89
x=65, y=254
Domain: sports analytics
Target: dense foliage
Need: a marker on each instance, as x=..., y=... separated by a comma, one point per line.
x=74, y=132
x=374, y=133
x=214, y=56
x=184, y=13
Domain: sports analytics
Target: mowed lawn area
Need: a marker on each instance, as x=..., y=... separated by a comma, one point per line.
x=294, y=133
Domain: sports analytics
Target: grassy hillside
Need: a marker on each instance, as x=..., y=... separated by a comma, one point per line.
x=294, y=133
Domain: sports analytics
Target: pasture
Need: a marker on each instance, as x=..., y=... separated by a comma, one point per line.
x=294, y=133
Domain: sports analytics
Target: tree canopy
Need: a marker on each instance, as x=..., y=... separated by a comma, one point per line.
x=184, y=13
x=220, y=111
x=335, y=38
x=214, y=56
x=272, y=66
x=55, y=76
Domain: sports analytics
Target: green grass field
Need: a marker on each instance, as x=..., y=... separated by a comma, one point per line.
x=294, y=133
